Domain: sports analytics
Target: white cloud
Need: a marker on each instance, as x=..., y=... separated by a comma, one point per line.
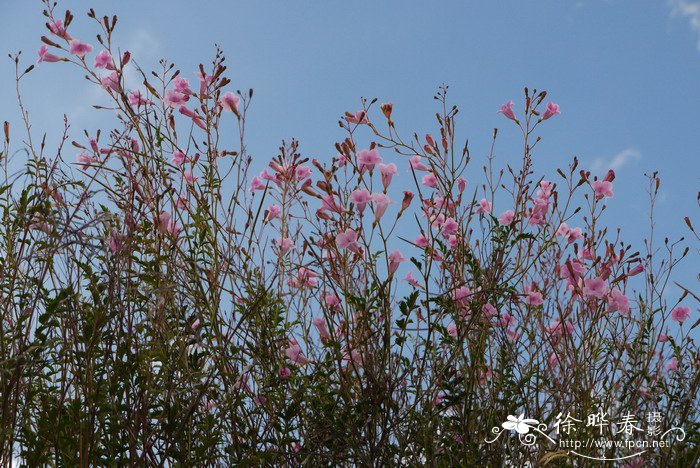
x=689, y=9
x=617, y=162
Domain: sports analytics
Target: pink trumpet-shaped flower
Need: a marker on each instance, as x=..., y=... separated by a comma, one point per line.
x=429, y=180
x=680, y=314
x=452, y=330
x=320, y=325
x=395, y=259
x=618, y=302
x=256, y=184
x=189, y=177
x=79, y=49
x=285, y=245
x=85, y=159
x=387, y=171
x=484, y=206
x=328, y=202
x=411, y=280
x=533, y=296
x=294, y=353
x=602, y=188
x=360, y=198
x=595, y=287
x=104, y=60
x=229, y=102
x=136, y=99
x=367, y=159
x=416, y=164
x=179, y=158
x=552, y=110
x=506, y=218
x=46, y=56
x=59, y=30
x=507, y=110
x=421, y=241
x=272, y=212
x=192, y=115
x=407, y=198
x=348, y=240
x=381, y=202
x=111, y=81
x=360, y=117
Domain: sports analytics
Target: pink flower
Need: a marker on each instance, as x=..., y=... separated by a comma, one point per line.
x=461, y=184
x=381, y=202
x=46, y=56
x=507, y=110
x=256, y=184
x=303, y=172
x=136, y=99
x=534, y=297
x=189, y=178
x=360, y=198
x=484, y=207
x=179, y=158
x=663, y=338
x=59, y=30
x=167, y=224
x=461, y=294
x=174, y=98
x=328, y=202
x=429, y=180
x=347, y=240
x=421, y=241
x=360, y=117
x=452, y=330
x=449, y=227
x=79, y=49
x=182, y=85
x=320, y=325
x=411, y=280
x=569, y=234
x=489, y=310
x=367, y=159
x=680, y=314
x=104, y=60
x=506, y=218
x=285, y=245
x=85, y=159
x=387, y=171
x=595, y=287
x=602, y=188
x=672, y=365
x=272, y=212
x=181, y=203
x=618, y=302
x=111, y=81
x=407, y=198
x=636, y=270
x=332, y=301
x=552, y=110
x=229, y=102
x=395, y=259
x=416, y=164
x=294, y=353
x=304, y=278
x=196, y=119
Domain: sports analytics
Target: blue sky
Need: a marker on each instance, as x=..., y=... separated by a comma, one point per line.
x=625, y=73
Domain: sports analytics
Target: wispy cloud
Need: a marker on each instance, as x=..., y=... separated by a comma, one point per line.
x=689, y=9
x=618, y=161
